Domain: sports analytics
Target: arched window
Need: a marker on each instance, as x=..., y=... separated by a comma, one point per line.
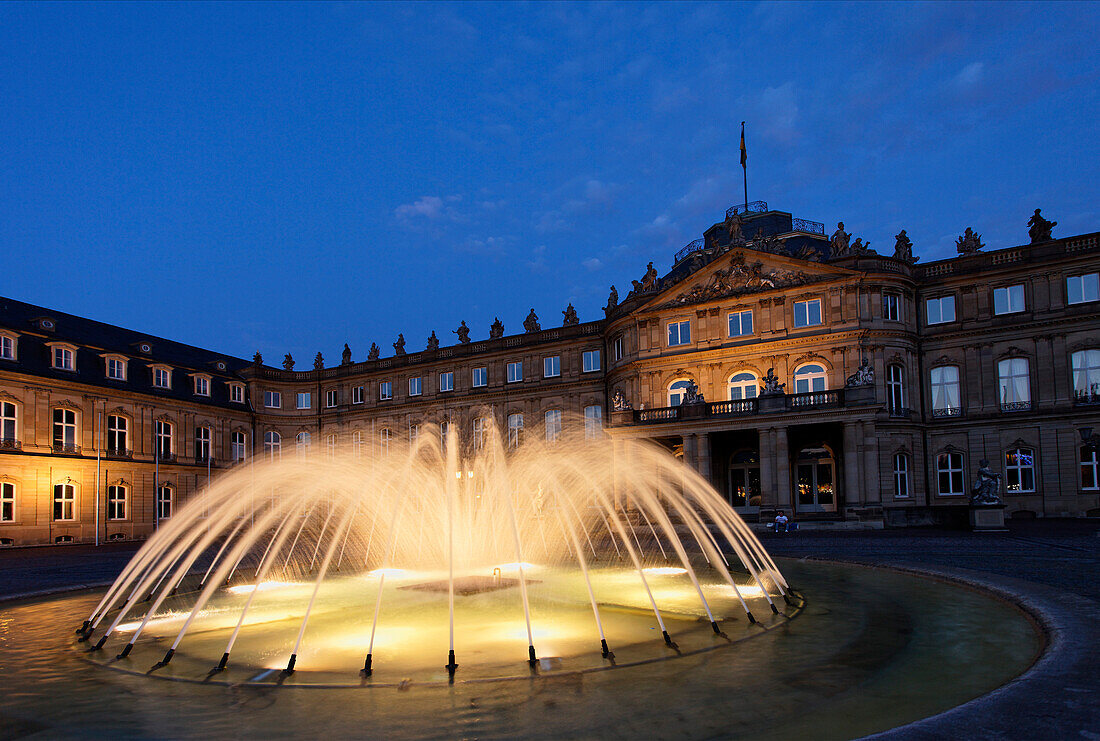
x=384, y=437
x=810, y=377
x=1090, y=468
x=901, y=475
x=117, y=499
x=273, y=444
x=1020, y=471
x=1086, y=375
x=8, y=424
x=676, y=391
x=895, y=389
x=357, y=443
x=743, y=386
x=946, y=397
x=1014, y=384
x=302, y=442
x=515, y=430
x=949, y=467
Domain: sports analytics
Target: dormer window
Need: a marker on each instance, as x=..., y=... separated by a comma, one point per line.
x=62, y=357
x=115, y=367
x=236, y=393
x=162, y=377
x=202, y=385
x=7, y=346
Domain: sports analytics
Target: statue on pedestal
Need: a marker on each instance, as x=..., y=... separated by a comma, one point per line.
x=838, y=244
x=772, y=386
x=903, y=248
x=288, y=362
x=345, y=357
x=864, y=376
x=374, y=352
x=1039, y=228
x=531, y=323
x=987, y=488
x=570, y=315
x=463, y=333
x=399, y=346
x=969, y=242
x=433, y=341
x=692, y=394
x=257, y=359
x=318, y=362
x=612, y=301
x=496, y=331
x=619, y=402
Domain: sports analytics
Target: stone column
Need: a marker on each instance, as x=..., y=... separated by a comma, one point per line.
x=768, y=494
x=852, y=491
x=872, y=479
x=783, y=470
x=703, y=454
x=690, y=445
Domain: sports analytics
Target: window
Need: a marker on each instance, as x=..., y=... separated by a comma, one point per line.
x=743, y=386
x=7, y=347
x=940, y=310
x=617, y=348
x=357, y=443
x=447, y=381
x=891, y=307
x=810, y=377
x=590, y=361
x=553, y=425
x=202, y=386
x=895, y=389
x=679, y=333
x=946, y=399
x=901, y=475
x=444, y=429
x=949, y=466
x=64, y=502
x=515, y=430
x=304, y=400
x=238, y=447
x=593, y=422
x=385, y=390
x=7, y=501
x=515, y=372
x=116, y=502
x=1083, y=288
x=1015, y=388
x=162, y=439
x=676, y=391
x=479, y=433
x=415, y=387
x=357, y=395
x=162, y=378
x=165, y=499
x=63, y=359
x=1008, y=300
x=118, y=428
x=384, y=437
x=302, y=443
x=202, y=443
x=273, y=400
x=807, y=313
x=414, y=432
x=1086, y=375
x=236, y=393
x=551, y=366
x=480, y=377
x=330, y=445
x=740, y=323
x=1020, y=471
x=332, y=398
x=64, y=430
x=1090, y=468
x=116, y=369
x=8, y=424
x=273, y=445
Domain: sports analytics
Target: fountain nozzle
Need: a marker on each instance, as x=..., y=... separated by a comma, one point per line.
x=531, y=659
x=787, y=599
x=125, y=651
x=168, y=657
x=668, y=640
x=223, y=662
x=605, y=650
x=774, y=608
x=99, y=645
x=367, y=671
x=751, y=618
x=451, y=664
x=290, y=665
x=84, y=628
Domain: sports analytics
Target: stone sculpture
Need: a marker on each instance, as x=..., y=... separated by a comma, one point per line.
x=619, y=401
x=531, y=323
x=570, y=316
x=1039, y=228
x=345, y=357
x=318, y=362
x=374, y=352
x=399, y=346
x=838, y=244
x=692, y=395
x=969, y=242
x=987, y=488
x=496, y=331
x=612, y=301
x=257, y=359
x=772, y=386
x=903, y=248
x=864, y=376
x=433, y=341
x=288, y=362
x=463, y=333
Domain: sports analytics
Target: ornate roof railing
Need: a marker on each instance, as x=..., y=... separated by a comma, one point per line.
x=810, y=227
x=694, y=246
x=752, y=207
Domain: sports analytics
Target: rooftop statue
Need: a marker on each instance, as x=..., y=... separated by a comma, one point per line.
x=1039, y=228
x=463, y=333
x=987, y=488
x=345, y=357
x=839, y=241
x=257, y=359
x=859, y=248
x=692, y=395
x=732, y=225
x=612, y=301
x=969, y=242
x=570, y=315
x=318, y=362
x=771, y=244
x=531, y=323
x=399, y=346
x=864, y=375
x=772, y=386
x=619, y=402
x=903, y=248
x=496, y=331
x=374, y=353
x=433, y=341
x=649, y=280
x=288, y=362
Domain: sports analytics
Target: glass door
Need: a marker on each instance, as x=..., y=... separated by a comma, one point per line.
x=744, y=481
x=815, y=482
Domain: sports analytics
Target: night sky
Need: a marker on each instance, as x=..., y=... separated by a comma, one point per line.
x=286, y=178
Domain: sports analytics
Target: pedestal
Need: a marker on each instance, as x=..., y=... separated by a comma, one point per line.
x=987, y=518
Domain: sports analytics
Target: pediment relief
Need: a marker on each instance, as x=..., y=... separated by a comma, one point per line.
x=165, y=418
x=5, y=396
x=66, y=404
x=741, y=275
x=120, y=411
x=1021, y=443
x=944, y=360
x=119, y=482
x=811, y=357
x=1086, y=344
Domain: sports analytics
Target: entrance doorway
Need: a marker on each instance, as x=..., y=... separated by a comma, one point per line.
x=744, y=481
x=816, y=480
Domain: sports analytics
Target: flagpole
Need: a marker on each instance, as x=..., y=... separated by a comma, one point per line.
x=744, y=166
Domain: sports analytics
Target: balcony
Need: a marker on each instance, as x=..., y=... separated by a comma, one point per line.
x=10, y=443
x=901, y=412
x=1015, y=406
x=811, y=401
x=121, y=453
x=1086, y=397
x=163, y=457
x=70, y=448
x=947, y=412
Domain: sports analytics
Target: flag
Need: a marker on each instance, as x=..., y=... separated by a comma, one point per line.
x=744, y=152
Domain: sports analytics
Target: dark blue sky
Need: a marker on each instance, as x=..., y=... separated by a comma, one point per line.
x=287, y=177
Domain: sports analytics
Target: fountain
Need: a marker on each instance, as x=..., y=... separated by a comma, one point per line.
x=289, y=556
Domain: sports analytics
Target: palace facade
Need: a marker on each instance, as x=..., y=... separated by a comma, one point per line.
x=795, y=371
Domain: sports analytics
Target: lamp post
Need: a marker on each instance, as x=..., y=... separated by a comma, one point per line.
x=1088, y=439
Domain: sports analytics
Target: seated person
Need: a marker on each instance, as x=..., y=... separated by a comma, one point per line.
x=781, y=522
